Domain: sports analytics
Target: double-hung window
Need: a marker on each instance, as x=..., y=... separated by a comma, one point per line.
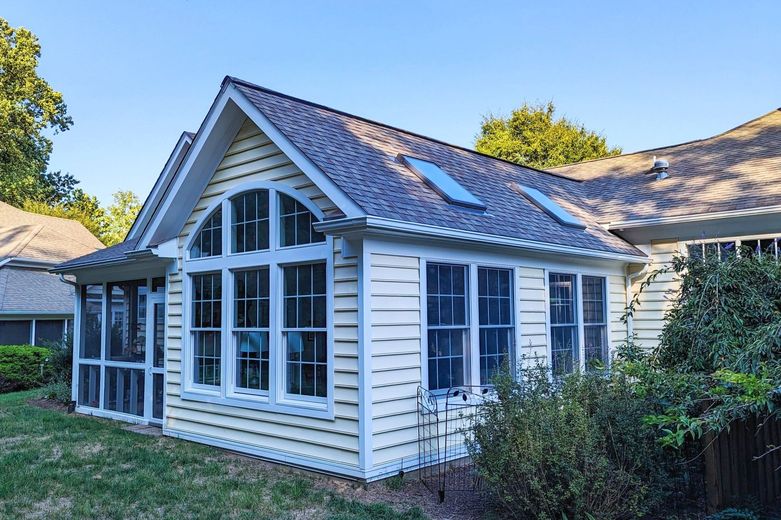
x=578, y=322
x=470, y=333
x=258, y=307
x=206, y=328
x=448, y=327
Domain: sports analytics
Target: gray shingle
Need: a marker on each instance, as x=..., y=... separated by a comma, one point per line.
x=34, y=291
x=360, y=157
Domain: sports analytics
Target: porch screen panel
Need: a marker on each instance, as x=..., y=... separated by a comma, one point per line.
x=125, y=390
x=127, y=321
x=89, y=386
x=594, y=321
x=447, y=322
x=15, y=332
x=304, y=330
x=91, y=321
x=49, y=331
x=494, y=288
x=564, y=326
x=206, y=326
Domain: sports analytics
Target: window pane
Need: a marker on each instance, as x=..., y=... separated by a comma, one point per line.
x=252, y=359
x=207, y=358
x=249, y=222
x=595, y=337
x=158, y=339
x=251, y=298
x=593, y=299
x=496, y=331
x=564, y=348
x=562, y=298
x=304, y=330
x=295, y=223
x=15, y=332
x=128, y=322
x=91, y=320
x=564, y=330
x=49, y=331
x=125, y=390
x=447, y=305
x=209, y=239
x=89, y=386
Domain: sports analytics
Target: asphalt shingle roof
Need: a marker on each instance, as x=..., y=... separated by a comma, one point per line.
x=360, y=157
x=41, y=237
x=34, y=291
x=738, y=169
x=109, y=254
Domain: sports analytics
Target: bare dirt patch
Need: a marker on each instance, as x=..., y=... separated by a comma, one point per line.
x=48, y=404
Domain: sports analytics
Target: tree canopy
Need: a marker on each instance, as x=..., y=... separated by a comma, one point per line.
x=29, y=107
x=532, y=136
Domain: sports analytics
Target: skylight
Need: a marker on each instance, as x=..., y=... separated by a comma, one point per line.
x=447, y=187
x=542, y=201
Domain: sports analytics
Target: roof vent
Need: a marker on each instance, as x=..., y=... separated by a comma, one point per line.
x=660, y=169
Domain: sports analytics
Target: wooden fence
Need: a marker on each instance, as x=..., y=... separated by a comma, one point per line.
x=736, y=471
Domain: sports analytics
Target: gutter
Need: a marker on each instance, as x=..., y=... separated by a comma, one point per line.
x=358, y=225
x=684, y=219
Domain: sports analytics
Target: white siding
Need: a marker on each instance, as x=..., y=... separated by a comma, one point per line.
x=616, y=289
x=532, y=308
x=655, y=300
x=253, y=157
x=396, y=356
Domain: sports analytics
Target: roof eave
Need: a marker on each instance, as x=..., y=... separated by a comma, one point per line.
x=359, y=225
x=685, y=219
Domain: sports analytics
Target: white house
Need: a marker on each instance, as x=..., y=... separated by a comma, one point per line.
x=298, y=272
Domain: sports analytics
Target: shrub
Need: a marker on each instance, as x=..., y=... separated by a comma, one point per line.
x=23, y=367
x=59, y=391
x=574, y=447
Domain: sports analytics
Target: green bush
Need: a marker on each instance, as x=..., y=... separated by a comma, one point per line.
x=574, y=447
x=23, y=367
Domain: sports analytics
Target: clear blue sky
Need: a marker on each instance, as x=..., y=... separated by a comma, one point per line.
x=135, y=74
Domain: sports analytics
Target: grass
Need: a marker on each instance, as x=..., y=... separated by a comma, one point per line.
x=68, y=466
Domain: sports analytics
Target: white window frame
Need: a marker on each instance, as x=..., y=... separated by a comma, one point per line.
x=738, y=243
x=275, y=258
x=578, y=314
x=472, y=346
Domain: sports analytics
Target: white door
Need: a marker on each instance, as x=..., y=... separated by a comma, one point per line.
x=155, y=382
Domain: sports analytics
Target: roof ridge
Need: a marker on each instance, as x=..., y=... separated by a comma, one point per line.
x=255, y=86
x=684, y=143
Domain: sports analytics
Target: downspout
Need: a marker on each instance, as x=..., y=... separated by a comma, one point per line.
x=629, y=280
x=64, y=280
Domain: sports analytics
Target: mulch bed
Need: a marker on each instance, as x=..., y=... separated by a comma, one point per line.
x=48, y=404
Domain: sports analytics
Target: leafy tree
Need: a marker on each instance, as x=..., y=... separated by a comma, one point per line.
x=77, y=206
x=532, y=137
x=28, y=107
x=121, y=215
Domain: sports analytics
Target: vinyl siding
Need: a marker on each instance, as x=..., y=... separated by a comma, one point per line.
x=616, y=288
x=396, y=356
x=532, y=309
x=253, y=157
x=655, y=300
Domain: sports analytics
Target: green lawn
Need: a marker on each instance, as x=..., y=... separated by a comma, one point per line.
x=54, y=465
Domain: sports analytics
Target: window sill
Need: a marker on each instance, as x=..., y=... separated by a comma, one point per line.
x=321, y=410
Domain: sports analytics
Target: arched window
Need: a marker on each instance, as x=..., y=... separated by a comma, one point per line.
x=295, y=223
x=260, y=337
x=249, y=222
x=209, y=239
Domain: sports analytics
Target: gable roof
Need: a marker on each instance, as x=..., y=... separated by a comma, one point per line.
x=42, y=238
x=735, y=170
x=360, y=157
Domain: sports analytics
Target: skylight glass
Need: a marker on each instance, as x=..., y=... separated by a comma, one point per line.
x=447, y=187
x=542, y=201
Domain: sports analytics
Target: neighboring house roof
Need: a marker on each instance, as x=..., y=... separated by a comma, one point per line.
x=42, y=238
x=736, y=170
x=359, y=155
x=31, y=291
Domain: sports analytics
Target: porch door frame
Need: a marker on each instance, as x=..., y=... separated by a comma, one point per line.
x=153, y=300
